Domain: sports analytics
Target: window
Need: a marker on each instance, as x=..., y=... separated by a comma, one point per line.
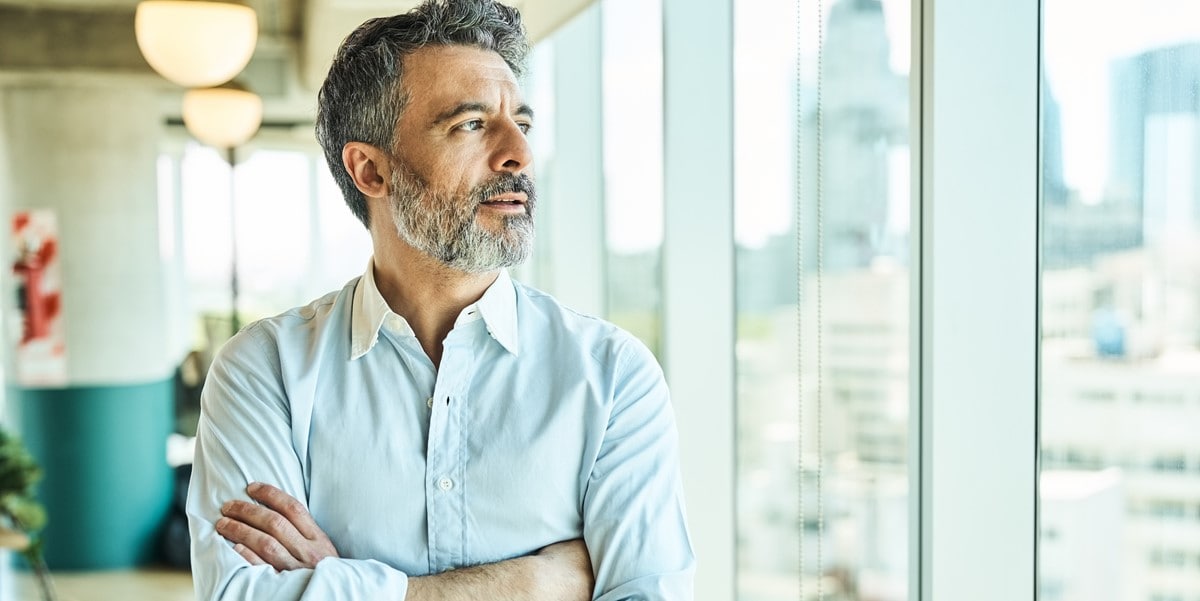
x=296, y=239
x=1121, y=292
x=633, y=164
x=822, y=316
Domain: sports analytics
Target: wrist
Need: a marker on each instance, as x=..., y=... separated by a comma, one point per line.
x=552, y=577
x=533, y=575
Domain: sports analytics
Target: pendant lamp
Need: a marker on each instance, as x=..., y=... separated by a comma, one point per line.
x=196, y=43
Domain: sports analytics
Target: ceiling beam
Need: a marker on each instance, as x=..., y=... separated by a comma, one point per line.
x=69, y=39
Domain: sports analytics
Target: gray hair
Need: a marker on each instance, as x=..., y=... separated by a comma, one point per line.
x=361, y=99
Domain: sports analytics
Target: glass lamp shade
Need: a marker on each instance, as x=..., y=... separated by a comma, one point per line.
x=223, y=117
x=194, y=43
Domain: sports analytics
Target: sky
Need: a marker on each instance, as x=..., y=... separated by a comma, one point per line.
x=1081, y=40
x=765, y=42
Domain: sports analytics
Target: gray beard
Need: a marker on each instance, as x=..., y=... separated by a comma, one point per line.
x=446, y=228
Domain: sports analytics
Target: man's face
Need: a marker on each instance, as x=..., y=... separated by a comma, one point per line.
x=462, y=190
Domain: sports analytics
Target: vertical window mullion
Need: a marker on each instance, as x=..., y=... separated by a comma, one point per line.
x=979, y=217
x=574, y=210
x=698, y=277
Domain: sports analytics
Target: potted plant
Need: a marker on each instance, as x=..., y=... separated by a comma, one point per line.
x=21, y=516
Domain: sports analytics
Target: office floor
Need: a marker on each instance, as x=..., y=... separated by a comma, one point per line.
x=142, y=585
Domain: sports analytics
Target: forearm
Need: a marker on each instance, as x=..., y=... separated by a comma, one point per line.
x=560, y=572
x=511, y=580
x=277, y=531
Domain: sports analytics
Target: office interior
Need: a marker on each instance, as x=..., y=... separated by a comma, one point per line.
x=921, y=274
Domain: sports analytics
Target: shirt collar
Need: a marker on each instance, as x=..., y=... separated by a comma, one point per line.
x=497, y=307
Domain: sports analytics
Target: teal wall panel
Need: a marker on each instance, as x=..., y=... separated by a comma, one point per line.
x=107, y=485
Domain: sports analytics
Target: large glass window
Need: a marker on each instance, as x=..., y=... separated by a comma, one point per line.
x=1120, y=480
x=822, y=205
x=633, y=164
x=296, y=239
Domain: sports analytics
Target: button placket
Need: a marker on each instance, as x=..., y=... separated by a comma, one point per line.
x=445, y=500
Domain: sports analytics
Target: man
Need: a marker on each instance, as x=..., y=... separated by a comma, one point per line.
x=435, y=430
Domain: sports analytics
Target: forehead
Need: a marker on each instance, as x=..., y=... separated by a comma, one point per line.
x=439, y=76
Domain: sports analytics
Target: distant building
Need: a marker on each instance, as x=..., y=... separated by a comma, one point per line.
x=1054, y=187
x=1160, y=83
x=1081, y=538
x=1075, y=234
x=865, y=117
x=1137, y=416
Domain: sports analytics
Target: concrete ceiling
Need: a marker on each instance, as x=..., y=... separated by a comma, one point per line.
x=328, y=21
x=297, y=38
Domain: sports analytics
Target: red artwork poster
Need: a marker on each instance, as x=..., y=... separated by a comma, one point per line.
x=41, y=353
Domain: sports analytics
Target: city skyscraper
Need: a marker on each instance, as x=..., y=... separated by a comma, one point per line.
x=865, y=118
x=1054, y=185
x=1160, y=82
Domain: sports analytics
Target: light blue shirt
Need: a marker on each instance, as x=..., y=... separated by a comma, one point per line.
x=541, y=425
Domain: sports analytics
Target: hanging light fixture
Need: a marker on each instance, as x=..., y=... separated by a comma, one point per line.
x=196, y=43
x=224, y=117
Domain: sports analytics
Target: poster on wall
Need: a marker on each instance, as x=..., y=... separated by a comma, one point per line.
x=41, y=351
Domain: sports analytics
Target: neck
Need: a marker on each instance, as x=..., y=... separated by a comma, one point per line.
x=426, y=293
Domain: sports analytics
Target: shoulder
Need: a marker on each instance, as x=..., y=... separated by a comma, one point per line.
x=260, y=342
x=564, y=328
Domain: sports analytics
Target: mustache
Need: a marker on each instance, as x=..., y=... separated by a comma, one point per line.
x=506, y=183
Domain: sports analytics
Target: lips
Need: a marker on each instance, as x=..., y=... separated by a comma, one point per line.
x=507, y=194
x=512, y=199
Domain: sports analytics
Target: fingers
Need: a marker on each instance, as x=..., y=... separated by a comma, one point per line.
x=256, y=544
x=249, y=555
x=313, y=545
x=263, y=532
x=286, y=505
x=280, y=531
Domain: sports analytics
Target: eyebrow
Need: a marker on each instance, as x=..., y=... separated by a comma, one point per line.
x=477, y=107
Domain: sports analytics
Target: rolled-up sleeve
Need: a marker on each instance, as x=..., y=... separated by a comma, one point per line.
x=245, y=435
x=635, y=524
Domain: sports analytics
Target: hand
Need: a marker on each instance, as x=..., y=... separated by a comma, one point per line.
x=278, y=531
x=567, y=571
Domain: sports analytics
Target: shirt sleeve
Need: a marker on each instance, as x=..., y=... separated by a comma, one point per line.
x=244, y=436
x=635, y=524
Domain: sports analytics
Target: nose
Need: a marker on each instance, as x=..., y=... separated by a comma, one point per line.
x=511, y=152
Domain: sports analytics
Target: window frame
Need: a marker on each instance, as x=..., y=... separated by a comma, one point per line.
x=698, y=310
x=979, y=278
x=975, y=117
x=969, y=418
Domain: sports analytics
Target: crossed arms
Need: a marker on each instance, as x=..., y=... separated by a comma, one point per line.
x=278, y=531
x=264, y=543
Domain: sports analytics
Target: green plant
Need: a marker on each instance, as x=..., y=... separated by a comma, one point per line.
x=19, y=510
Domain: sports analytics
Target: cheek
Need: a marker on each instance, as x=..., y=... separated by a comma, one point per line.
x=454, y=176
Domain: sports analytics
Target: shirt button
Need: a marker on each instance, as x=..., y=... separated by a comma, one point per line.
x=446, y=483
x=394, y=324
x=429, y=402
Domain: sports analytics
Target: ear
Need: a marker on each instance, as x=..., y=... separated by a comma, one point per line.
x=369, y=167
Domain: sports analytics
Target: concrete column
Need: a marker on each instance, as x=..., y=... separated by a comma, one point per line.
x=87, y=149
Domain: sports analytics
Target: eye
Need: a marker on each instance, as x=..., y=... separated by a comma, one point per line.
x=525, y=127
x=472, y=125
